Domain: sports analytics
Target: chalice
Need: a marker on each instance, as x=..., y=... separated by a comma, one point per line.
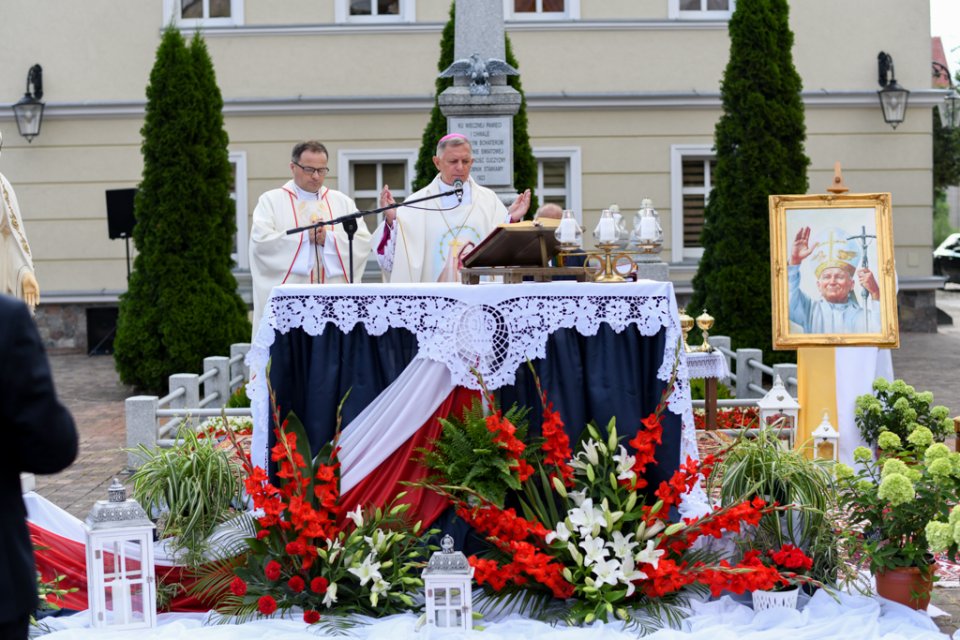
x=686, y=324
x=705, y=322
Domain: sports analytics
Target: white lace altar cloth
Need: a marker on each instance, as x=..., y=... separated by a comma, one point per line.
x=707, y=365
x=493, y=328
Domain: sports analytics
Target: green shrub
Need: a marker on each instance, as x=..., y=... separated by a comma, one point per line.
x=181, y=304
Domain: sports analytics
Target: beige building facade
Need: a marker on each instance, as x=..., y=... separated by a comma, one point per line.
x=622, y=98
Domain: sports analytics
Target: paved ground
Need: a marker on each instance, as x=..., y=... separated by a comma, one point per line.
x=90, y=388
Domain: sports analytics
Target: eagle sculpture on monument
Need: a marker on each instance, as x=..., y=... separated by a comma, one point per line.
x=479, y=71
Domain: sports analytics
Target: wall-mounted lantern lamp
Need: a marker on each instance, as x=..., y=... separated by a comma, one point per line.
x=950, y=109
x=893, y=97
x=29, y=110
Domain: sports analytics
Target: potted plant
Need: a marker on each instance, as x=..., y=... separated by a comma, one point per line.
x=760, y=466
x=792, y=564
x=899, y=408
x=891, y=501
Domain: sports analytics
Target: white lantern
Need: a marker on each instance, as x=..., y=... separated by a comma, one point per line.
x=826, y=441
x=121, y=590
x=447, y=583
x=778, y=408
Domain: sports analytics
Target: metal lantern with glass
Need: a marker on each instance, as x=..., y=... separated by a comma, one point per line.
x=778, y=409
x=120, y=565
x=826, y=441
x=448, y=590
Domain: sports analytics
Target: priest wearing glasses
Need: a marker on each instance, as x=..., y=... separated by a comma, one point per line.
x=319, y=256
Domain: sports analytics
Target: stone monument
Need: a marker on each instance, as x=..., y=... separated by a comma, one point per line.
x=480, y=104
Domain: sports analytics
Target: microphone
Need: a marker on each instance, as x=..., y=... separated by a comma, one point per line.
x=458, y=189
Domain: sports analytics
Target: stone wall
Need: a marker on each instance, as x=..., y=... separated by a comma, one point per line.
x=64, y=326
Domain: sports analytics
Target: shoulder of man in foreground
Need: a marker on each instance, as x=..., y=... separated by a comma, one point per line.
x=39, y=428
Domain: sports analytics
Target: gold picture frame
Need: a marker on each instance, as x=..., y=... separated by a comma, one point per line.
x=819, y=244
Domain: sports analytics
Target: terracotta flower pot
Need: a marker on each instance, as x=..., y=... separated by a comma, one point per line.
x=907, y=585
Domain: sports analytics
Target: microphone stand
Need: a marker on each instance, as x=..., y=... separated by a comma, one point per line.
x=350, y=224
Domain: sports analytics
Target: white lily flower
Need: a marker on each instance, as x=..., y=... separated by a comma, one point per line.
x=562, y=533
x=356, y=516
x=594, y=550
x=330, y=597
x=377, y=541
x=625, y=464
x=607, y=572
x=621, y=545
x=368, y=570
x=650, y=555
x=587, y=518
x=578, y=496
x=629, y=574
x=379, y=588
x=654, y=529
x=592, y=450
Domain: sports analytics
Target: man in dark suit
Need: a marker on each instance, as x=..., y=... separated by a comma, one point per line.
x=39, y=436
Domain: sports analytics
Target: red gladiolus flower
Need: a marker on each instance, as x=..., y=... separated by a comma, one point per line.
x=238, y=586
x=311, y=617
x=272, y=570
x=266, y=605
x=319, y=585
x=296, y=584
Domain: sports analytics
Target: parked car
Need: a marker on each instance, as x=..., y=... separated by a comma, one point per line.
x=946, y=258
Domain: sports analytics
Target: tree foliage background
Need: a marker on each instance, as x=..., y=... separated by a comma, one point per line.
x=181, y=304
x=524, y=162
x=759, y=145
x=946, y=173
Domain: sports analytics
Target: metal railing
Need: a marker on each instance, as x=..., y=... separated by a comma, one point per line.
x=153, y=422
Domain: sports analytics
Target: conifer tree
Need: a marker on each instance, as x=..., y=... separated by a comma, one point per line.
x=181, y=304
x=524, y=162
x=759, y=144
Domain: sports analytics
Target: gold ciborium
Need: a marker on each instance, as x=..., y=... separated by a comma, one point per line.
x=686, y=324
x=705, y=323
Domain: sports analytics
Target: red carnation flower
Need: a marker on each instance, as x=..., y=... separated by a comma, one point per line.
x=311, y=617
x=266, y=605
x=295, y=548
x=272, y=570
x=296, y=584
x=319, y=585
x=238, y=586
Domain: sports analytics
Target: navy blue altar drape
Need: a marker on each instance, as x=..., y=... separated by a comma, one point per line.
x=588, y=378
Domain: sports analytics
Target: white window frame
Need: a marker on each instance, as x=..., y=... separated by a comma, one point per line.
x=171, y=15
x=241, y=255
x=574, y=178
x=571, y=11
x=674, y=12
x=678, y=153
x=407, y=13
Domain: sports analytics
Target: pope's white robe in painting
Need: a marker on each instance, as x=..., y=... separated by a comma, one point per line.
x=15, y=257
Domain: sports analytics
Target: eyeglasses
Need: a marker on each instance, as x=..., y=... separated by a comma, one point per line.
x=314, y=171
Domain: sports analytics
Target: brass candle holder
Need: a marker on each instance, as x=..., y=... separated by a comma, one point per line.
x=686, y=325
x=608, y=261
x=705, y=323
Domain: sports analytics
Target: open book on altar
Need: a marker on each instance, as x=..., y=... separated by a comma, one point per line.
x=530, y=243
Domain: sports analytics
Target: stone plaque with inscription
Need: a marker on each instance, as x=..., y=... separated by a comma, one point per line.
x=492, y=140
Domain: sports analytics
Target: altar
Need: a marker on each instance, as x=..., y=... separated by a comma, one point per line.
x=392, y=359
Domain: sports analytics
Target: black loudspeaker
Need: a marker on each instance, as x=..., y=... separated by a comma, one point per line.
x=120, y=218
x=101, y=327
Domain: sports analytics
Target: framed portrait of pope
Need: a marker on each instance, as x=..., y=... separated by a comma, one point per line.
x=832, y=271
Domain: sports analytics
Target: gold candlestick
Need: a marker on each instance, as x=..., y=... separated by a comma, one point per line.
x=705, y=322
x=608, y=260
x=686, y=324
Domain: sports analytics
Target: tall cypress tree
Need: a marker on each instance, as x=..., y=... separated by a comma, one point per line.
x=181, y=304
x=759, y=145
x=524, y=162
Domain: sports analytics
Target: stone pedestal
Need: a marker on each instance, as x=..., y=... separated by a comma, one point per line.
x=650, y=267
